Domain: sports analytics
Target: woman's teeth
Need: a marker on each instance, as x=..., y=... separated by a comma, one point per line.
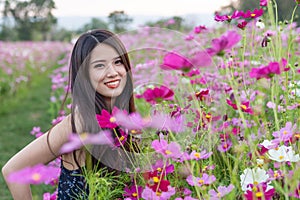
x=113, y=84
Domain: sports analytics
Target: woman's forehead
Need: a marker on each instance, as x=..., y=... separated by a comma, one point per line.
x=104, y=51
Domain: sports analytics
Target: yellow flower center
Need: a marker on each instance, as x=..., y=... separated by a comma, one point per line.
x=201, y=181
x=112, y=119
x=155, y=179
x=297, y=135
x=229, y=17
x=158, y=193
x=122, y=138
x=253, y=15
x=83, y=136
x=133, y=131
x=225, y=146
x=208, y=116
x=134, y=194
x=36, y=176
x=159, y=169
x=276, y=175
x=281, y=157
x=285, y=132
x=219, y=194
x=197, y=155
x=258, y=194
x=168, y=152
x=243, y=107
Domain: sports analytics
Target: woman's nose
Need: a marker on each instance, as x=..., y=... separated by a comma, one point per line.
x=111, y=71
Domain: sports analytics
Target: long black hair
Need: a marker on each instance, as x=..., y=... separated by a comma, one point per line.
x=86, y=101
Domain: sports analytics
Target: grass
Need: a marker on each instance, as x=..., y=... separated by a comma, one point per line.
x=18, y=115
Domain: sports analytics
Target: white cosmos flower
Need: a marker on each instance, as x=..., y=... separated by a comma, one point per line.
x=254, y=176
x=283, y=154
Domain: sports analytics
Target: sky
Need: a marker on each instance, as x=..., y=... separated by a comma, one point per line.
x=136, y=7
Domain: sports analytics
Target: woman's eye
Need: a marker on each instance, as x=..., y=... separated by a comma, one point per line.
x=118, y=62
x=99, y=66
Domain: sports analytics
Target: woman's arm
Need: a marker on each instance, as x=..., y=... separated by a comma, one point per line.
x=34, y=153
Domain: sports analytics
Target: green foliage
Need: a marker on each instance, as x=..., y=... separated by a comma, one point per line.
x=173, y=23
x=284, y=8
x=119, y=21
x=30, y=17
x=95, y=23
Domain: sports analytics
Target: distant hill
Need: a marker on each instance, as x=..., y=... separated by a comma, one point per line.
x=75, y=22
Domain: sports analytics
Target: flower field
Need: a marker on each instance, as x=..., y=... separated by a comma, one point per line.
x=218, y=111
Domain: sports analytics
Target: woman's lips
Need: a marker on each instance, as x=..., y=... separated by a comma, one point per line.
x=113, y=84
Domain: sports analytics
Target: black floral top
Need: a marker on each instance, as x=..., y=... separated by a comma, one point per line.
x=71, y=185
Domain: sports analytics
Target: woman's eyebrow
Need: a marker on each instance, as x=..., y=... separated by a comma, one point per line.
x=104, y=60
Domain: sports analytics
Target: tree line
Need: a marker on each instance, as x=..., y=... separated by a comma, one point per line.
x=33, y=19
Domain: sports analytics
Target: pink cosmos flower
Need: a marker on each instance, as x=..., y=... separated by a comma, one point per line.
x=199, y=156
x=220, y=18
x=163, y=168
x=157, y=94
x=149, y=194
x=175, y=61
x=107, y=120
x=221, y=192
x=134, y=192
x=263, y=2
x=171, y=150
x=197, y=181
x=202, y=59
x=225, y=146
x=259, y=192
x=269, y=70
x=199, y=29
x=285, y=134
x=132, y=121
x=226, y=41
x=48, y=196
x=76, y=141
x=35, y=175
x=253, y=14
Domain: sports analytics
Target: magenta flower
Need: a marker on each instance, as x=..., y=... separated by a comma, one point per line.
x=171, y=150
x=175, y=61
x=221, y=192
x=48, y=196
x=254, y=14
x=157, y=95
x=134, y=192
x=220, y=18
x=76, y=141
x=259, y=192
x=267, y=71
x=197, y=181
x=296, y=192
x=160, y=167
x=263, y=2
x=242, y=25
x=35, y=175
x=149, y=194
x=199, y=29
x=36, y=131
x=121, y=139
x=226, y=41
x=245, y=106
x=107, y=120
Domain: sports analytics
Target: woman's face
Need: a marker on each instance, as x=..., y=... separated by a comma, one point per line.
x=107, y=71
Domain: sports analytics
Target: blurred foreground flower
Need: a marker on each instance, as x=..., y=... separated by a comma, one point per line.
x=78, y=140
x=35, y=175
x=157, y=94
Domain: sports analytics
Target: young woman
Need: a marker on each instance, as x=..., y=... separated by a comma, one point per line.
x=99, y=78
